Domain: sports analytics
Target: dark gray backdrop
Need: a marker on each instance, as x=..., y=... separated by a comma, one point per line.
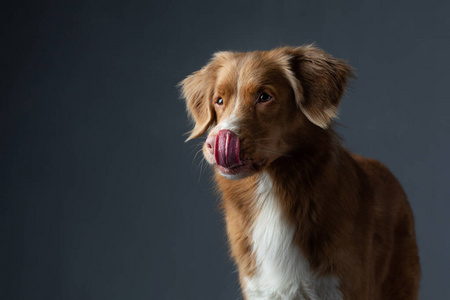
x=99, y=196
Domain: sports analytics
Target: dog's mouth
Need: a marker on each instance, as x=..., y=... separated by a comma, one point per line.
x=226, y=150
x=247, y=166
x=227, y=155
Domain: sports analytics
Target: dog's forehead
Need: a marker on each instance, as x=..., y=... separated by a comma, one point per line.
x=249, y=68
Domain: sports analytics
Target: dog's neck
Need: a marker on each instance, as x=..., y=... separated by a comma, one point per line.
x=289, y=214
x=307, y=185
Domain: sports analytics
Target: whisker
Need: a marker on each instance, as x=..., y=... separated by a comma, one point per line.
x=195, y=156
x=201, y=170
x=262, y=131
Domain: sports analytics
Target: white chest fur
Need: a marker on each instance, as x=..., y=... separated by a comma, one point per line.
x=282, y=272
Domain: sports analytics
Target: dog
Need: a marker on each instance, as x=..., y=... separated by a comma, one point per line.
x=305, y=218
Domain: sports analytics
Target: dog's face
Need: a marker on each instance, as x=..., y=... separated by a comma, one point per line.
x=255, y=106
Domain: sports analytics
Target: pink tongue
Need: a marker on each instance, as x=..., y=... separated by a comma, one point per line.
x=226, y=149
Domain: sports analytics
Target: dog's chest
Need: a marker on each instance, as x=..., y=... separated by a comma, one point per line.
x=282, y=272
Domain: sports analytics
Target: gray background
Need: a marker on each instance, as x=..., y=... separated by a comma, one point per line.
x=100, y=196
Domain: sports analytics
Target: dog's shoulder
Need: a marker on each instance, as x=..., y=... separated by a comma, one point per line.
x=385, y=186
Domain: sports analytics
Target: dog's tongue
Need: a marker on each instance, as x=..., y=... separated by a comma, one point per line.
x=226, y=149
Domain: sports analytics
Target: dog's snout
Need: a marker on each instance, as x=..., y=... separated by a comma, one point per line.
x=210, y=143
x=226, y=149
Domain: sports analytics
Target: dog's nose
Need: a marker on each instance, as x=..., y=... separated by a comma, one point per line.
x=210, y=142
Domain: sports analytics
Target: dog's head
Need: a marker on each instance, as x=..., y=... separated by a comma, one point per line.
x=256, y=105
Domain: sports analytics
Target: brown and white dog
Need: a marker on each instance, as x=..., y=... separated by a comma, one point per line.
x=305, y=218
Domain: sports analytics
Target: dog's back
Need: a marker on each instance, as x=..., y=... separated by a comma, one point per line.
x=396, y=261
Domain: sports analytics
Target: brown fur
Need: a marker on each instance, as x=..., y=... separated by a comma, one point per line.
x=351, y=215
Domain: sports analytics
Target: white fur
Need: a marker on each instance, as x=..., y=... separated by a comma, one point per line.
x=231, y=123
x=282, y=272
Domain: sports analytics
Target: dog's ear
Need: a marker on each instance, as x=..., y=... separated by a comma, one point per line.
x=197, y=89
x=318, y=81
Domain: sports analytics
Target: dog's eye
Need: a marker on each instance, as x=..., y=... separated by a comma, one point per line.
x=264, y=97
x=219, y=101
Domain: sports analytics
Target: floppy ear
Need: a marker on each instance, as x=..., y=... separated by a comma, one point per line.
x=197, y=89
x=319, y=82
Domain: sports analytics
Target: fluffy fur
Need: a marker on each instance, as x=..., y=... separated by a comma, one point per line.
x=282, y=270
x=305, y=218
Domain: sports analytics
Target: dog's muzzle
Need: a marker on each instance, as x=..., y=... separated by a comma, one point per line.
x=226, y=149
